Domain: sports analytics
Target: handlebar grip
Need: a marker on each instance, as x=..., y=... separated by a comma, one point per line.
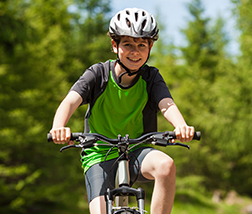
x=49, y=137
x=197, y=135
x=74, y=136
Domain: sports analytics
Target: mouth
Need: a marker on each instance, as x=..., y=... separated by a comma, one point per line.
x=134, y=59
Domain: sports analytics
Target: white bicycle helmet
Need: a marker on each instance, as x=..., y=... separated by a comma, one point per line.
x=134, y=22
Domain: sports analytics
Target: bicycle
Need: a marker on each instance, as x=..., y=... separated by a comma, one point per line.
x=123, y=189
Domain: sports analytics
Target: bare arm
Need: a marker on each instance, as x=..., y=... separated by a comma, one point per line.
x=171, y=112
x=60, y=133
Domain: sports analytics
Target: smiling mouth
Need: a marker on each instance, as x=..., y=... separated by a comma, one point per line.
x=134, y=60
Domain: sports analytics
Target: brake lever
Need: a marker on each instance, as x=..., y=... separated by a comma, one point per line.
x=84, y=142
x=164, y=140
x=176, y=143
x=68, y=147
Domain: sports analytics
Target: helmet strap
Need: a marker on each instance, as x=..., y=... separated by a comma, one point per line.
x=127, y=71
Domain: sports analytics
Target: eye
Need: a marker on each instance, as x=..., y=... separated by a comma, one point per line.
x=126, y=44
x=142, y=45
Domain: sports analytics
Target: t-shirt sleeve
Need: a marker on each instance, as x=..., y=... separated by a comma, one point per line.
x=92, y=83
x=84, y=85
x=159, y=89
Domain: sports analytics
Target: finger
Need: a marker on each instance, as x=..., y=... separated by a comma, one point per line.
x=70, y=142
x=68, y=134
x=187, y=133
x=178, y=133
x=53, y=133
x=183, y=132
x=63, y=135
x=192, y=132
x=172, y=140
x=58, y=135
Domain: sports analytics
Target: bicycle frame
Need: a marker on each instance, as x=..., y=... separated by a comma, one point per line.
x=123, y=189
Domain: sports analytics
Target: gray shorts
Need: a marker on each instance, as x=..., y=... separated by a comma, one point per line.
x=101, y=176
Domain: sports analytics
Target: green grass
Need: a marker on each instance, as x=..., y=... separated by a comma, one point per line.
x=189, y=201
x=195, y=200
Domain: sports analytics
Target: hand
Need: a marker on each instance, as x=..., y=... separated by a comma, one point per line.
x=184, y=133
x=61, y=135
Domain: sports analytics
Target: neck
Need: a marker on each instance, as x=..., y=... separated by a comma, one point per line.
x=126, y=79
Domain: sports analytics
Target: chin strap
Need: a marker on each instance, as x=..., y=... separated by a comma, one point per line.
x=127, y=71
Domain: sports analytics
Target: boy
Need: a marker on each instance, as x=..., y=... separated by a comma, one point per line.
x=124, y=97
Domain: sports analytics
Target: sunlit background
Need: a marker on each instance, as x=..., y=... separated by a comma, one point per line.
x=174, y=15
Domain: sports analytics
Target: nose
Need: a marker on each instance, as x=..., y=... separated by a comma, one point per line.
x=134, y=50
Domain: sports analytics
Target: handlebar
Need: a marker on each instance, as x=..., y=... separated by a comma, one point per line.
x=88, y=140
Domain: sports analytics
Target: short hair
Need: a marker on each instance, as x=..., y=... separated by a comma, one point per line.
x=117, y=38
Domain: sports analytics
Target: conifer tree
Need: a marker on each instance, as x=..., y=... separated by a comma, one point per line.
x=199, y=96
x=42, y=51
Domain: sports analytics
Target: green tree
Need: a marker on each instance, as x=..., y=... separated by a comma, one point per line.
x=214, y=93
x=43, y=50
x=239, y=91
x=199, y=74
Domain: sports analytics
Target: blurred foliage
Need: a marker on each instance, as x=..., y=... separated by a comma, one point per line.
x=43, y=49
x=46, y=45
x=213, y=92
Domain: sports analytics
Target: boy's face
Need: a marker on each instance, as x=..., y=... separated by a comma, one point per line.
x=133, y=52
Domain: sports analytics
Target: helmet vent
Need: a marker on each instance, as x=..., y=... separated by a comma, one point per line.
x=128, y=23
x=143, y=13
x=136, y=16
x=127, y=12
x=118, y=17
x=143, y=24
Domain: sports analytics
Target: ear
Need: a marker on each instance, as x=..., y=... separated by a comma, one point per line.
x=114, y=46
